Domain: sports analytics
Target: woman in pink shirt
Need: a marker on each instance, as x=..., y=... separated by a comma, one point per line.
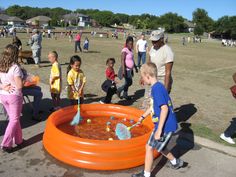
x=127, y=64
x=77, y=41
x=11, y=95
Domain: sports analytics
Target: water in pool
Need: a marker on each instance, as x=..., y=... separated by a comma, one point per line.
x=101, y=128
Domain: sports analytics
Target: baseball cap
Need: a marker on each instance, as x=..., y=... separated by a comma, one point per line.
x=156, y=35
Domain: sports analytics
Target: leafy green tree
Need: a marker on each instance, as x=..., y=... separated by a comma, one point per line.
x=226, y=26
x=198, y=30
x=123, y=18
x=172, y=23
x=201, y=18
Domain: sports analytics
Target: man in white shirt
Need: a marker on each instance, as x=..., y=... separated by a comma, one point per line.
x=49, y=33
x=141, y=49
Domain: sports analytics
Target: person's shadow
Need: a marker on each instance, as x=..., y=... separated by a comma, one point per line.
x=231, y=129
x=137, y=95
x=183, y=140
x=185, y=112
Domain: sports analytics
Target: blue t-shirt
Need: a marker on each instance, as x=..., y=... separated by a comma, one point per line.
x=160, y=97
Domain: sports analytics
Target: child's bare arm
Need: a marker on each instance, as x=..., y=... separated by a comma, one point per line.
x=162, y=119
x=147, y=112
x=81, y=88
x=72, y=88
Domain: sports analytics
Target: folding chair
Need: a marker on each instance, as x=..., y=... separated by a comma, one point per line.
x=26, y=100
x=3, y=111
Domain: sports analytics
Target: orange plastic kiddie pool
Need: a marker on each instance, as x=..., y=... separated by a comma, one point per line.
x=95, y=154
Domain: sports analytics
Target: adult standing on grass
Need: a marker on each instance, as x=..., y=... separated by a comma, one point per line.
x=127, y=66
x=141, y=49
x=163, y=57
x=36, y=46
x=78, y=41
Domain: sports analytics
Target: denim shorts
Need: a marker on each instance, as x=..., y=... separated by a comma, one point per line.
x=159, y=145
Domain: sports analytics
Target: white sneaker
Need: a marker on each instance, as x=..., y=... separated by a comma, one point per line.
x=227, y=139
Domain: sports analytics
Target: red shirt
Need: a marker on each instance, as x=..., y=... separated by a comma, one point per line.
x=110, y=73
x=77, y=37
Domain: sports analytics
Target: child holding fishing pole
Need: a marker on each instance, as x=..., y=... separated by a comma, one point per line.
x=164, y=119
x=76, y=80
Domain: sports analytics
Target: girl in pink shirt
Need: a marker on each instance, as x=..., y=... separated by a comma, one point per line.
x=11, y=96
x=77, y=42
x=127, y=64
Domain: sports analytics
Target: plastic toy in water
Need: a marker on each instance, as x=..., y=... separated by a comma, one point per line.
x=95, y=154
x=112, y=117
x=108, y=129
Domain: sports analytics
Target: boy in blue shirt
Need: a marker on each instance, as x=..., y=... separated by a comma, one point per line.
x=164, y=119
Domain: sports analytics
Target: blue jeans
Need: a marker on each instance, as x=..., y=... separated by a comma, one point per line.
x=77, y=45
x=127, y=84
x=231, y=129
x=141, y=55
x=37, y=94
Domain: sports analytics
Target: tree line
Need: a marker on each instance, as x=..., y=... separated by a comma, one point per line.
x=172, y=22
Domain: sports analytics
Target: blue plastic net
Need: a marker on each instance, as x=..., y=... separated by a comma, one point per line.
x=77, y=117
x=122, y=132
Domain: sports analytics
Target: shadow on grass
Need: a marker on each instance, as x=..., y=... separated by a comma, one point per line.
x=50, y=65
x=92, y=51
x=31, y=61
x=185, y=112
x=137, y=95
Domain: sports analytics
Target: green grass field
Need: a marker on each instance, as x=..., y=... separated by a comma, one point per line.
x=202, y=77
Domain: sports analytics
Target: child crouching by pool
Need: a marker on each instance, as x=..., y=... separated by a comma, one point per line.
x=109, y=85
x=76, y=80
x=164, y=119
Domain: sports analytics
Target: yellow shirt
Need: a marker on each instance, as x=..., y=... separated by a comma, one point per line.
x=55, y=72
x=76, y=79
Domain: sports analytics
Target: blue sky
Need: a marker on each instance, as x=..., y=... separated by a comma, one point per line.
x=215, y=8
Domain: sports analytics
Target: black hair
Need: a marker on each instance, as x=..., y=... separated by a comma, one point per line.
x=111, y=59
x=73, y=59
x=129, y=39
